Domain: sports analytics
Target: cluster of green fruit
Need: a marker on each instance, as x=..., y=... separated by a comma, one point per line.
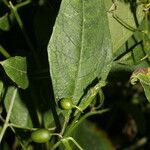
x=43, y=135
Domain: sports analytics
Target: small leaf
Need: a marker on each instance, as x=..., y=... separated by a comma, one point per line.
x=4, y=23
x=16, y=69
x=142, y=75
x=20, y=114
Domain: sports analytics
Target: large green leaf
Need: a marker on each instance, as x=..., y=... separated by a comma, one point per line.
x=125, y=21
x=91, y=138
x=16, y=69
x=80, y=47
x=20, y=114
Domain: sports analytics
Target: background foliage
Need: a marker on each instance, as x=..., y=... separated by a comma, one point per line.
x=90, y=51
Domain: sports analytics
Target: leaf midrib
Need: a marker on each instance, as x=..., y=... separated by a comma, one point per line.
x=81, y=50
x=9, y=66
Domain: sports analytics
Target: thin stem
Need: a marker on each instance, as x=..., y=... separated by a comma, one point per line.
x=56, y=134
x=4, y=52
x=20, y=127
x=65, y=141
x=66, y=144
x=74, y=141
x=101, y=94
x=20, y=140
x=127, y=26
x=76, y=122
x=19, y=21
x=23, y=4
x=8, y=114
x=56, y=145
x=52, y=128
x=78, y=108
x=21, y=25
x=65, y=124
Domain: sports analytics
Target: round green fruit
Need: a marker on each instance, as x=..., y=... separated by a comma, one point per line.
x=40, y=136
x=66, y=103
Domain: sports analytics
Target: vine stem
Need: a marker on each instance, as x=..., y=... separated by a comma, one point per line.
x=20, y=127
x=65, y=124
x=21, y=25
x=6, y=124
x=4, y=52
x=65, y=142
x=74, y=141
x=76, y=122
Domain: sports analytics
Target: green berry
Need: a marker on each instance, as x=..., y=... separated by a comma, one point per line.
x=40, y=136
x=66, y=103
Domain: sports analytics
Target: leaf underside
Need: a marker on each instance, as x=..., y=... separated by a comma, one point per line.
x=79, y=50
x=20, y=114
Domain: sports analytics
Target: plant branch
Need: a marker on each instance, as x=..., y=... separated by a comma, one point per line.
x=4, y=52
x=23, y=3
x=20, y=127
x=65, y=124
x=20, y=140
x=56, y=145
x=6, y=124
x=21, y=25
x=76, y=122
x=71, y=139
x=66, y=144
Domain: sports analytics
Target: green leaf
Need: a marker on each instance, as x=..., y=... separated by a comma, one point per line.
x=20, y=115
x=89, y=137
x=80, y=47
x=4, y=22
x=16, y=69
x=142, y=75
x=123, y=24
